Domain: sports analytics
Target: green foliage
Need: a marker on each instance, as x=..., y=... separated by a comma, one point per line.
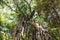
x=47, y=15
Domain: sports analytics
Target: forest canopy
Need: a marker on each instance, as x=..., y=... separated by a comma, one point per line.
x=29, y=19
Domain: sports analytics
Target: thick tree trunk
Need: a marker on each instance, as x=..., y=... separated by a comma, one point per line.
x=37, y=33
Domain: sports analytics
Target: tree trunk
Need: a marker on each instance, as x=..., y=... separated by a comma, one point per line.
x=37, y=33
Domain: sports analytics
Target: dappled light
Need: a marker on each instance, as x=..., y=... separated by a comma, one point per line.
x=29, y=19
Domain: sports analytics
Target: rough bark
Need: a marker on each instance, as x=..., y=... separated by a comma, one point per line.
x=37, y=34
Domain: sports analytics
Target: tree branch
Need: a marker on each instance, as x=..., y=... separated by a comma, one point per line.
x=16, y=3
x=9, y=6
x=28, y=5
